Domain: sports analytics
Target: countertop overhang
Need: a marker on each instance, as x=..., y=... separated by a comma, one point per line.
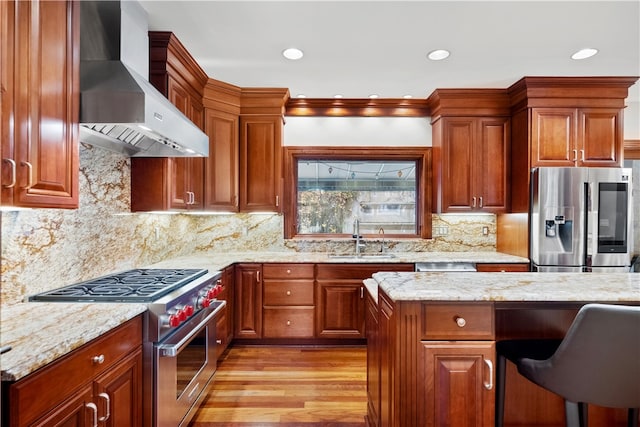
x=510, y=287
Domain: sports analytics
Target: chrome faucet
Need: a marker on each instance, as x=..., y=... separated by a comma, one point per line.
x=357, y=236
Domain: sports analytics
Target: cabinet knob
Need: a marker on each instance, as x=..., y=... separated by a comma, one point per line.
x=219, y=342
x=460, y=321
x=98, y=360
x=288, y=292
x=288, y=322
x=288, y=271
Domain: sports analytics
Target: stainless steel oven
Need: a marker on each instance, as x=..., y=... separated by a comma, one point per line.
x=179, y=337
x=184, y=365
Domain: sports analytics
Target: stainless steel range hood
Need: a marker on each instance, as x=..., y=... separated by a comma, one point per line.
x=119, y=109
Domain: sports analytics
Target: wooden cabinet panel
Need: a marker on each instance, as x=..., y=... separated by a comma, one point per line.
x=459, y=383
x=61, y=393
x=260, y=163
x=289, y=322
x=288, y=292
x=458, y=321
x=248, y=301
x=474, y=164
x=288, y=271
x=123, y=387
x=601, y=136
x=40, y=144
x=373, y=362
x=221, y=167
x=553, y=137
x=225, y=319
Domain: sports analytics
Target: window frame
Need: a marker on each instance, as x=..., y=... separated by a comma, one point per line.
x=421, y=155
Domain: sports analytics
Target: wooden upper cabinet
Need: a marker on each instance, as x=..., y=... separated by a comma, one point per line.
x=222, y=124
x=564, y=122
x=41, y=94
x=471, y=142
x=175, y=183
x=576, y=137
x=260, y=163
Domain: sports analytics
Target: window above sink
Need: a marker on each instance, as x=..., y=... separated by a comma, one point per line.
x=329, y=187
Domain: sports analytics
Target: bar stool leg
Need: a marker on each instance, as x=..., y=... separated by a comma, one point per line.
x=632, y=419
x=575, y=414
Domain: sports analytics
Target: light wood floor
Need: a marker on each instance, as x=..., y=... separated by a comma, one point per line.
x=287, y=386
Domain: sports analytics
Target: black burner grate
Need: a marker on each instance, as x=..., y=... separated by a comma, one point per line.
x=140, y=285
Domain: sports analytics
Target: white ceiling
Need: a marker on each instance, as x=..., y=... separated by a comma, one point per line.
x=357, y=48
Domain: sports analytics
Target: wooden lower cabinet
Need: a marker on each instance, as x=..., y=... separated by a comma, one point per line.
x=224, y=319
x=79, y=388
x=340, y=297
x=459, y=386
x=248, y=301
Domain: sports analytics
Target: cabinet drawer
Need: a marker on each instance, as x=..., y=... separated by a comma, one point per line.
x=287, y=271
x=289, y=292
x=483, y=268
x=44, y=389
x=473, y=321
x=292, y=322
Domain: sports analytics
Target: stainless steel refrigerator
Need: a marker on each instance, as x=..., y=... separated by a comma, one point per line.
x=581, y=219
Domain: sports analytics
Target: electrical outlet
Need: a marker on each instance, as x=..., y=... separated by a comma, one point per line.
x=485, y=231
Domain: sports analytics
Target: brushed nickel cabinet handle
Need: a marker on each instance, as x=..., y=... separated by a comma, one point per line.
x=473, y=205
x=107, y=403
x=460, y=321
x=277, y=200
x=582, y=155
x=94, y=409
x=258, y=276
x=480, y=201
x=489, y=385
x=575, y=155
x=98, y=360
x=12, y=163
x=29, y=167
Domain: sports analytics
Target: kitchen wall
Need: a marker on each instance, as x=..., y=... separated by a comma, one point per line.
x=43, y=249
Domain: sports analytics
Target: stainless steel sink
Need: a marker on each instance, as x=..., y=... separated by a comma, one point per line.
x=362, y=256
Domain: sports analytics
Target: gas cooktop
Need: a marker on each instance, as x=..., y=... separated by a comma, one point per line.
x=139, y=285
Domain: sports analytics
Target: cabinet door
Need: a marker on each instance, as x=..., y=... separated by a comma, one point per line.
x=221, y=168
x=118, y=393
x=553, y=137
x=260, y=163
x=458, y=165
x=460, y=389
x=493, y=154
x=601, y=137
x=248, y=301
x=373, y=362
x=77, y=411
x=340, y=309
x=46, y=104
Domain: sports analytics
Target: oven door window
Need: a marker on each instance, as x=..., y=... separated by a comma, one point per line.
x=190, y=361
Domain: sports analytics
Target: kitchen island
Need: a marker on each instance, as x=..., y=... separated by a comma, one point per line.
x=432, y=356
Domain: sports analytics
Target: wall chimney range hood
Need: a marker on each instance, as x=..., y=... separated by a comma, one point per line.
x=119, y=109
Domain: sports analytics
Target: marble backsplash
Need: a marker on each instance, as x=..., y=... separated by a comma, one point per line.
x=43, y=249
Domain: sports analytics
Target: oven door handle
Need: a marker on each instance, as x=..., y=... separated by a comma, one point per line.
x=170, y=349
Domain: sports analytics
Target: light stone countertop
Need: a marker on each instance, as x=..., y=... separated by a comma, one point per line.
x=41, y=332
x=511, y=287
x=219, y=261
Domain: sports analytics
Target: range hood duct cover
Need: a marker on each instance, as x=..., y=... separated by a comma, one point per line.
x=119, y=109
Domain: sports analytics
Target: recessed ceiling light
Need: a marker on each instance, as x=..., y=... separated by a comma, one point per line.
x=374, y=96
x=292, y=53
x=584, y=53
x=407, y=97
x=438, y=54
x=337, y=96
x=302, y=95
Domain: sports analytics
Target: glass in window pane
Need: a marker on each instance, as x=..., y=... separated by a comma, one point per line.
x=332, y=194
